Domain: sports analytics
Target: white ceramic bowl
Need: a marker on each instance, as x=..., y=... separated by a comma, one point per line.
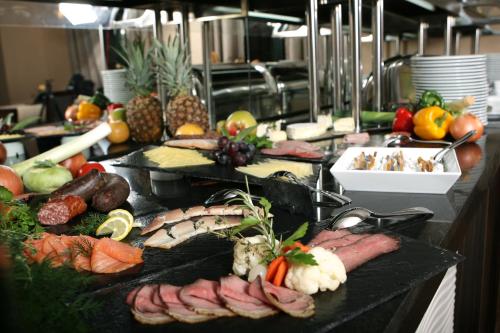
x=396, y=181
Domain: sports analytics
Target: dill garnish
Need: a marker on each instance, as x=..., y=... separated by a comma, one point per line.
x=89, y=223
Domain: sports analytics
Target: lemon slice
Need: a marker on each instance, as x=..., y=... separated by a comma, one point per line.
x=117, y=226
x=126, y=215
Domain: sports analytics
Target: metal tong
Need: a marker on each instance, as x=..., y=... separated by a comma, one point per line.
x=292, y=178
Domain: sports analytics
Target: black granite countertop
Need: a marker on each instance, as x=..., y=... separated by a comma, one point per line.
x=463, y=222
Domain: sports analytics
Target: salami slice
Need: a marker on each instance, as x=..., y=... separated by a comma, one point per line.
x=62, y=209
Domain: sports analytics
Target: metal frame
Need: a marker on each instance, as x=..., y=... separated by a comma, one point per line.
x=312, y=39
x=422, y=37
x=448, y=37
x=377, y=58
x=207, y=73
x=337, y=44
x=355, y=30
x=476, y=41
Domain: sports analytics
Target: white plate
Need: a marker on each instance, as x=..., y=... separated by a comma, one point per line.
x=396, y=181
x=446, y=58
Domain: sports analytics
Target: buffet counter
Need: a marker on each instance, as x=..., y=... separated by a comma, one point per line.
x=463, y=222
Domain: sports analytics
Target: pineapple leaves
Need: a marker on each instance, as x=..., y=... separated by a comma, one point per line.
x=174, y=66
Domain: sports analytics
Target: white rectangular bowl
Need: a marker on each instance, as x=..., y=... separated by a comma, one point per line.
x=396, y=181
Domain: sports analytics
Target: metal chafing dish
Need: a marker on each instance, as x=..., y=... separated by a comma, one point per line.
x=269, y=89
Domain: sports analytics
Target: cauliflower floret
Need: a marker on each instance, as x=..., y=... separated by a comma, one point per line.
x=328, y=274
x=248, y=253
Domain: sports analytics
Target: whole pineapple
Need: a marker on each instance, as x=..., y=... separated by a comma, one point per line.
x=143, y=112
x=175, y=73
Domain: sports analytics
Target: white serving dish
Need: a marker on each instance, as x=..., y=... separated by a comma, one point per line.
x=396, y=181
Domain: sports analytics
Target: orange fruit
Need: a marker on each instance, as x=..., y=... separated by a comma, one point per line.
x=190, y=129
x=119, y=132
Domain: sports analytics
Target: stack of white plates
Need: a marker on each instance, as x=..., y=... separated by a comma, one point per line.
x=493, y=62
x=454, y=77
x=115, y=89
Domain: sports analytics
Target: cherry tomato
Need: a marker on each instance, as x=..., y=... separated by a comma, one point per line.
x=89, y=166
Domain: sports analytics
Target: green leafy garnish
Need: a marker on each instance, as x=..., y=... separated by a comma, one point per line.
x=44, y=164
x=89, y=223
x=296, y=256
x=19, y=217
x=244, y=133
x=259, y=141
x=298, y=234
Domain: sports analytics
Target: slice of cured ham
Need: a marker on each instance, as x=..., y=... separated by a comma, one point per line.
x=177, y=309
x=366, y=249
x=326, y=235
x=295, y=303
x=294, y=148
x=235, y=293
x=202, y=297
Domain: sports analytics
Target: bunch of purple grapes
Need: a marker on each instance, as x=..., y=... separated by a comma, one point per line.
x=235, y=153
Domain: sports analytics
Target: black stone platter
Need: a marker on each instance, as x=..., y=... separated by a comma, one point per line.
x=208, y=257
x=215, y=171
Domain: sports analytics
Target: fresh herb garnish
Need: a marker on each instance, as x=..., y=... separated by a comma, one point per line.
x=19, y=217
x=260, y=219
x=89, y=223
x=5, y=194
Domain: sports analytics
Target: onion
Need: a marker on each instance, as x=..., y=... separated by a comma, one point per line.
x=464, y=124
x=3, y=153
x=469, y=155
x=10, y=180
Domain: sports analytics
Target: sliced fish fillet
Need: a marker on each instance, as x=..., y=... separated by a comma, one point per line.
x=167, y=239
x=177, y=215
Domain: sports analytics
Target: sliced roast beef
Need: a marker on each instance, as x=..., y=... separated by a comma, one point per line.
x=255, y=290
x=326, y=235
x=297, y=144
x=131, y=296
x=145, y=310
x=366, y=249
x=202, y=297
x=176, y=308
x=332, y=244
x=295, y=303
x=234, y=292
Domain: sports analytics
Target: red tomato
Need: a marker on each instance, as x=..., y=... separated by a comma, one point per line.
x=74, y=163
x=89, y=166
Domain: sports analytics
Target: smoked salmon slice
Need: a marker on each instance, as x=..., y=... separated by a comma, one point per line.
x=83, y=252
x=109, y=256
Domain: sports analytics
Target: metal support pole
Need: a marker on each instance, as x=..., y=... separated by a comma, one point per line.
x=207, y=74
x=456, y=46
x=422, y=37
x=475, y=41
x=184, y=30
x=378, y=60
x=397, y=44
x=312, y=38
x=338, y=57
x=450, y=22
x=355, y=26
x=102, y=47
x=158, y=35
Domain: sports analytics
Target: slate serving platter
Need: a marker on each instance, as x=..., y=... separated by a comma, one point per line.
x=368, y=286
x=214, y=172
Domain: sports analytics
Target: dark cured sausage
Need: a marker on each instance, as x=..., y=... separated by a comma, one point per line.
x=113, y=194
x=85, y=186
x=61, y=210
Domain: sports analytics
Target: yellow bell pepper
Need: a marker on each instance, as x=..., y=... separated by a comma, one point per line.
x=88, y=111
x=432, y=123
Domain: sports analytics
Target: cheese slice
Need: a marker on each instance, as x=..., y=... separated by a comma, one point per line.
x=269, y=166
x=301, y=131
x=168, y=157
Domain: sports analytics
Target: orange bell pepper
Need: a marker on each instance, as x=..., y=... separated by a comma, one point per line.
x=88, y=111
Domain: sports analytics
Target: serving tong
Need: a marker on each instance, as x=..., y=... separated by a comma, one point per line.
x=353, y=216
x=290, y=177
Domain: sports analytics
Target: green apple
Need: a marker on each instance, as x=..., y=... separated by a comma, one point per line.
x=239, y=120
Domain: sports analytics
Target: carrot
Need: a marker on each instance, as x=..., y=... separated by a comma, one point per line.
x=280, y=274
x=273, y=267
x=301, y=246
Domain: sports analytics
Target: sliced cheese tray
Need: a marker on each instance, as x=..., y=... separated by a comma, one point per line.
x=208, y=169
